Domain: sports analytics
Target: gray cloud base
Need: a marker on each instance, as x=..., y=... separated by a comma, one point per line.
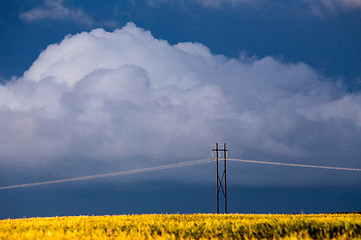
x=125, y=99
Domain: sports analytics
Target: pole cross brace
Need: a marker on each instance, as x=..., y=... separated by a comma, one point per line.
x=221, y=181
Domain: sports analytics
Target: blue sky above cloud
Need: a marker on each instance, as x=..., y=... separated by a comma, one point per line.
x=289, y=29
x=315, y=5
x=55, y=10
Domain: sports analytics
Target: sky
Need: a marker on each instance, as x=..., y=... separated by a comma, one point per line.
x=89, y=87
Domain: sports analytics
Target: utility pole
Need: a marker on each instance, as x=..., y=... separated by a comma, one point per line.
x=221, y=181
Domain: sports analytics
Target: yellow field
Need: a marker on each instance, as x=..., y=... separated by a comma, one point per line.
x=195, y=226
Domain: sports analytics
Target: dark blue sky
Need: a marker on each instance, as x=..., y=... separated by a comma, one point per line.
x=328, y=41
x=278, y=81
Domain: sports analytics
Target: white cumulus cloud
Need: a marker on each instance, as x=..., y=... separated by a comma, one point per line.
x=112, y=97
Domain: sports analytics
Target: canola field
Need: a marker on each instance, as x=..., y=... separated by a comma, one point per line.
x=178, y=226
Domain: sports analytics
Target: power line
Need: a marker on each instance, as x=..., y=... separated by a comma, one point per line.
x=294, y=165
x=169, y=166
x=126, y=172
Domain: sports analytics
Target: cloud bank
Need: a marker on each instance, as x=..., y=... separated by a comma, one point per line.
x=126, y=98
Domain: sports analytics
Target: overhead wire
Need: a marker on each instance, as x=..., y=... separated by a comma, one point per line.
x=104, y=175
x=169, y=166
x=293, y=165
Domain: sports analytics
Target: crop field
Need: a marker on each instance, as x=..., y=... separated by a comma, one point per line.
x=178, y=226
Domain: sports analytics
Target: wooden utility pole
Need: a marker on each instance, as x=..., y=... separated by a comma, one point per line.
x=221, y=181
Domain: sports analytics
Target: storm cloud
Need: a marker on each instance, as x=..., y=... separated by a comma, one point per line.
x=107, y=97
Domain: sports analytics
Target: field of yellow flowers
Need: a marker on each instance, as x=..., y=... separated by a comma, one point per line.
x=178, y=226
